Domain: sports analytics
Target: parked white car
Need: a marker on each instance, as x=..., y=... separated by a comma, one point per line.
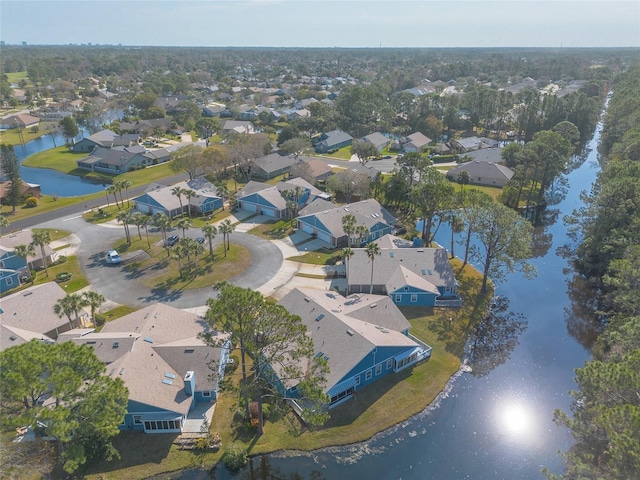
x=113, y=257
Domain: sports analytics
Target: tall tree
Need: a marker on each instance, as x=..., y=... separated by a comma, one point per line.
x=210, y=231
x=431, y=196
x=72, y=303
x=226, y=228
x=87, y=404
x=189, y=194
x=349, y=226
x=94, y=301
x=184, y=224
x=125, y=216
x=178, y=191
x=42, y=238
x=365, y=151
x=69, y=129
x=505, y=240
x=273, y=339
x=10, y=167
x=373, y=250
x=347, y=253
x=469, y=202
x=24, y=252
x=161, y=221
x=189, y=159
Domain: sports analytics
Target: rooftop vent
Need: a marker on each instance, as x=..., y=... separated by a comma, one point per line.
x=13, y=338
x=318, y=355
x=319, y=317
x=188, y=350
x=148, y=339
x=430, y=272
x=391, y=254
x=122, y=370
x=169, y=375
x=350, y=333
x=91, y=342
x=116, y=344
x=373, y=305
x=424, y=272
x=166, y=381
x=306, y=299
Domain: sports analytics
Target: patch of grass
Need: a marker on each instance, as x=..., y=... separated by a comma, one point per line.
x=163, y=273
x=108, y=213
x=12, y=136
x=272, y=230
x=45, y=204
x=324, y=256
x=60, y=159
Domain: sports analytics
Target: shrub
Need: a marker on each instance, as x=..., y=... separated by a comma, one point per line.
x=61, y=259
x=234, y=457
x=266, y=410
x=201, y=442
x=63, y=277
x=31, y=202
x=100, y=320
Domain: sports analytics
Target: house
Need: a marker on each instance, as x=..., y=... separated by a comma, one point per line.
x=483, y=173
x=487, y=155
x=378, y=140
x=312, y=169
x=237, y=126
x=19, y=120
x=160, y=199
x=367, y=170
x=416, y=142
x=467, y=144
x=272, y=165
x=10, y=262
x=213, y=110
x=421, y=90
x=332, y=141
x=105, y=139
x=146, y=128
x=29, y=314
x=28, y=189
x=324, y=220
x=263, y=199
x=115, y=160
x=408, y=276
x=158, y=354
x=362, y=338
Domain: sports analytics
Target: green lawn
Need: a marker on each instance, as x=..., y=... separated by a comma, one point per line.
x=12, y=137
x=324, y=256
x=272, y=230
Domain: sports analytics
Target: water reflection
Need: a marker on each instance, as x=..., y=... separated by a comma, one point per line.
x=583, y=322
x=495, y=338
x=516, y=418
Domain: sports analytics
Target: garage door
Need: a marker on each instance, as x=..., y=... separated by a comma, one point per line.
x=307, y=228
x=249, y=207
x=325, y=237
x=268, y=212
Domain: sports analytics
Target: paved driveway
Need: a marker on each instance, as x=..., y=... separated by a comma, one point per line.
x=123, y=287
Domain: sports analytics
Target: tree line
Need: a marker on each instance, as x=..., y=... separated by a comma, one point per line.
x=605, y=414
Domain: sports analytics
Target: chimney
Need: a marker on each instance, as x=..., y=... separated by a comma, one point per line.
x=189, y=383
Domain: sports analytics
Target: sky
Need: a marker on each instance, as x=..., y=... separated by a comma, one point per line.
x=323, y=23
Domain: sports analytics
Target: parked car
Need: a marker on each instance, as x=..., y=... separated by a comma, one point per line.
x=200, y=240
x=112, y=257
x=172, y=240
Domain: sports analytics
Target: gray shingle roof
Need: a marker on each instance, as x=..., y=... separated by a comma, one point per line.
x=339, y=330
x=433, y=261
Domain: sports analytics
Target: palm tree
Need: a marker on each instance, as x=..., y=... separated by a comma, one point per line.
x=178, y=252
x=144, y=222
x=178, y=191
x=223, y=191
x=113, y=190
x=372, y=249
x=163, y=222
x=210, y=231
x=4, y=221
x=125, y=217
x=42, y=238
x=138, y=218
x=226, y=228
x=196, y=249
x=119, y=186
x=347, y=253
x=126, y=184
x=94, y=301
x=349, y=225
x=362, y=233
x=25, y=251
x=184, y=224
x=71, y=303
x=187, y=192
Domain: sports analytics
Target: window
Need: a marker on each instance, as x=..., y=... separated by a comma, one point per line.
x=378, y=369
x=398, y=298
x=406, y=288
x=414, y=298
x=137, y=419
x=9, y=281
x=368, y=375
x=390, y=364
x=357, y=379
x=206, y=393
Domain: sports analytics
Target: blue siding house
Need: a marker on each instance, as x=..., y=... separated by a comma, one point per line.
x=8, y=279
x=324, y=220
x=362, y=337
x=156, y=351
x=160, y=199
x=332, y=141
x=408, y=275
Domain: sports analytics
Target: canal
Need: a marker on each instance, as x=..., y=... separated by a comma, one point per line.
x=495, y=420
